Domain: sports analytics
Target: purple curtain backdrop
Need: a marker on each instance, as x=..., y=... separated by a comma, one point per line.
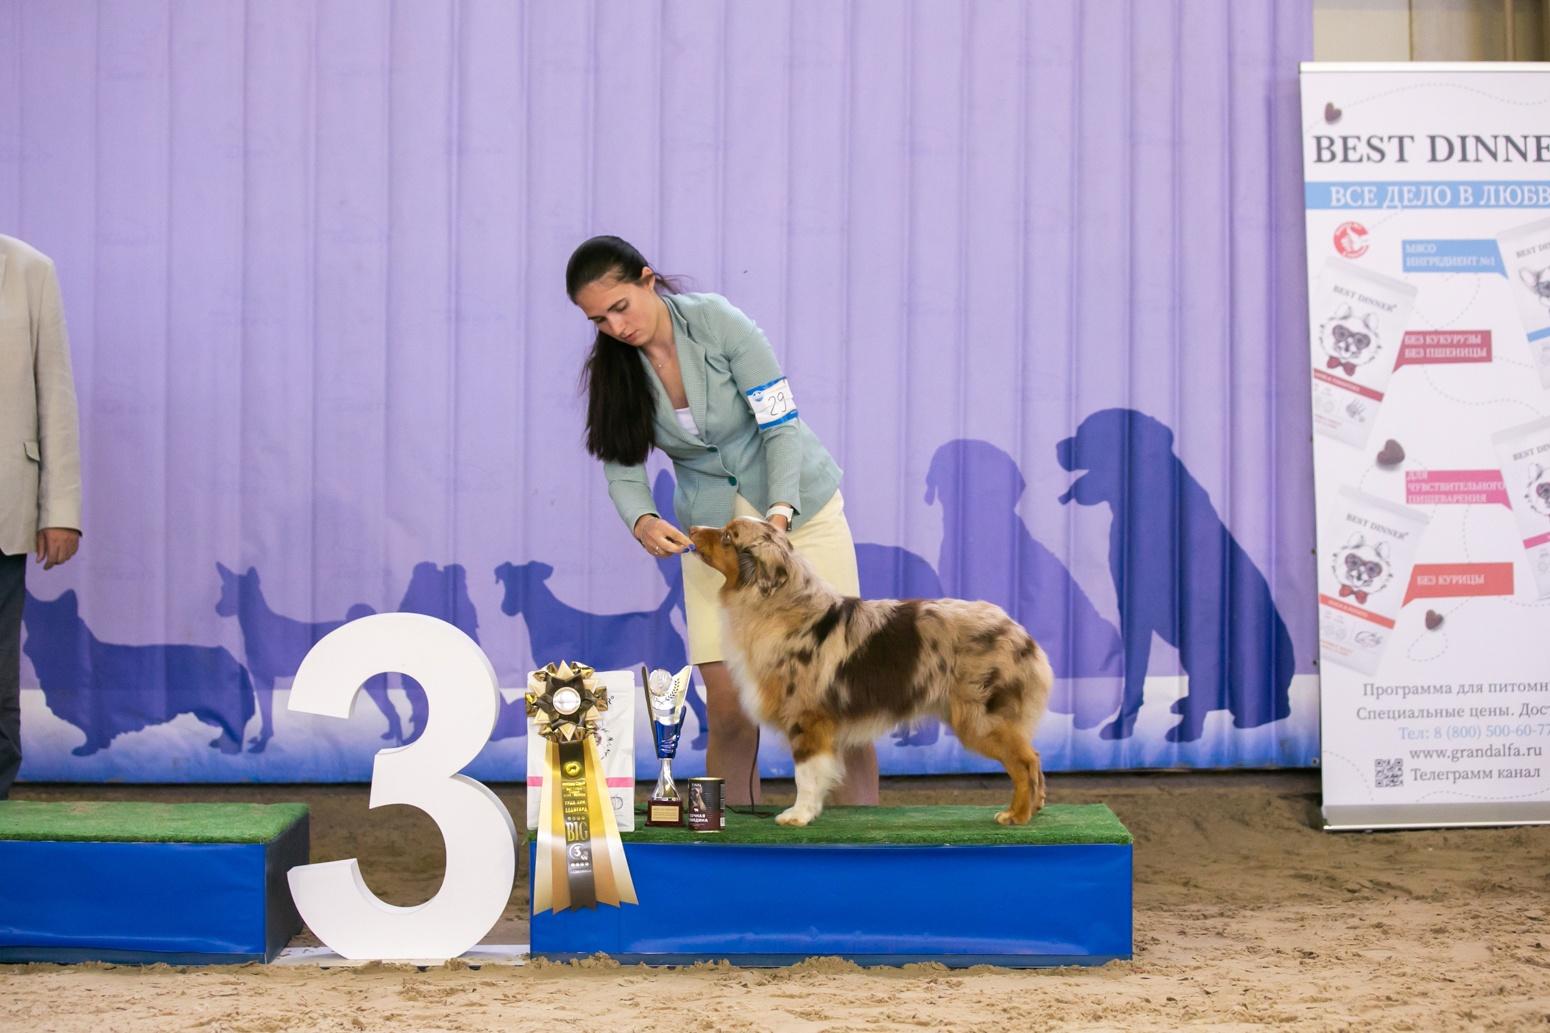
x=312, y=261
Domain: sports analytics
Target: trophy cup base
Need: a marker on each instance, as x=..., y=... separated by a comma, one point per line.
x=665, y=813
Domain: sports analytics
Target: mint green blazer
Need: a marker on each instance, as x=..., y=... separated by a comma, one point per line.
x=752, y=439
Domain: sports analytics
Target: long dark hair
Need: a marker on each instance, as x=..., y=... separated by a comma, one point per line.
x=619, y=399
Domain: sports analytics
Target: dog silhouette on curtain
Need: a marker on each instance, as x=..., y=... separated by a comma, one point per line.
x=1180, y=575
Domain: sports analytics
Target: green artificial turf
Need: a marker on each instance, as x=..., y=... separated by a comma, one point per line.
x=147, y=822
x=1059, y=824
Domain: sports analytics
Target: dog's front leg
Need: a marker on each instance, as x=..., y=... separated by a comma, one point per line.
x=817, y=770
x=815, y=777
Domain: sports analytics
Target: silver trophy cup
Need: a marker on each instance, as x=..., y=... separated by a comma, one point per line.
x=665, y=697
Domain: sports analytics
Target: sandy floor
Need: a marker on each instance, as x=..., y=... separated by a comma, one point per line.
x=1246, y=917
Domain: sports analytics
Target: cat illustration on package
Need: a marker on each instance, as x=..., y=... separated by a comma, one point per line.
x=1362, y=569
x=1349, y=340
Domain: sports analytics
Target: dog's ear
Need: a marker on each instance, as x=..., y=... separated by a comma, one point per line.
x=761, y=573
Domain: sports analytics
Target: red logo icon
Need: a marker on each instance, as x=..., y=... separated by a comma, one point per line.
x=1351, y=239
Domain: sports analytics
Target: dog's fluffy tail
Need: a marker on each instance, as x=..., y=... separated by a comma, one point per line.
x=1041, y=678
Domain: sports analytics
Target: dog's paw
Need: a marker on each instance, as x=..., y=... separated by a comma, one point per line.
x=793, y=817
x=1009, y=818
x=1115, y=730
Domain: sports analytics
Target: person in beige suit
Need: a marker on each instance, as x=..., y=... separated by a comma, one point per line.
x=40, y=461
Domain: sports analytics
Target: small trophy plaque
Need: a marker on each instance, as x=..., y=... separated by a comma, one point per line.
x=665, y=696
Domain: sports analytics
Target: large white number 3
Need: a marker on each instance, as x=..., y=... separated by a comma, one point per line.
x=480, y=838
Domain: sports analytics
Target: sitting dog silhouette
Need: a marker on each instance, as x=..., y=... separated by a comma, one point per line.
x=1179, y=574
x=989, y=553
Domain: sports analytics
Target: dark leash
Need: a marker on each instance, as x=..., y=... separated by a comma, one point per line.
x=753, y=810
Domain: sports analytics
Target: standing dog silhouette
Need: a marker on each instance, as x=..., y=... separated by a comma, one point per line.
x=606, y=641
x=989, y=553
x=274, y=645
x=559, y=631
x=1179, y=574
x=106, y=689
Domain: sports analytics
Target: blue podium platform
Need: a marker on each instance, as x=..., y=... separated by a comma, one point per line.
x=142, y=883
x=959, y=890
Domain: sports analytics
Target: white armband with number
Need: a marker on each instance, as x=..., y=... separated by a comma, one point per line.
x=772, y=403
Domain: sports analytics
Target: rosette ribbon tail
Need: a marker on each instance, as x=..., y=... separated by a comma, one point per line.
x=580, y=858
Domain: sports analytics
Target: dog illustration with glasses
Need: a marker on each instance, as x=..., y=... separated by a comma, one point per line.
x=1362, y=569
x=1349, y=341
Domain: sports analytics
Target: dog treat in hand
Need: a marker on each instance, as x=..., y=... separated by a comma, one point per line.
x=1391, y=454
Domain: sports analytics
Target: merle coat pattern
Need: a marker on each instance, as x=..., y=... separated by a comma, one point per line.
x=831, y=671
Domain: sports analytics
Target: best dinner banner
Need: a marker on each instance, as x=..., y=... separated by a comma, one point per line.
x=1428, y=219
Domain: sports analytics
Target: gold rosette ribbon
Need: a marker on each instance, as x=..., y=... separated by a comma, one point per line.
x=580, y=855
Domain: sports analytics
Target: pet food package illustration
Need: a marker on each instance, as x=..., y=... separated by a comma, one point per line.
x=1358, y=319
x=1526, y=256
x=616, y=747
x=1525, y=459
x=1365, y=557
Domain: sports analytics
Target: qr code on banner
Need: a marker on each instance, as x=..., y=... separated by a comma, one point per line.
x=1390, y=773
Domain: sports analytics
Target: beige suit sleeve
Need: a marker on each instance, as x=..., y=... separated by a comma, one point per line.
x=59, y=487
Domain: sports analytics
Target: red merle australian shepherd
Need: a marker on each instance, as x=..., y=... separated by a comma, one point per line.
x=832, y=671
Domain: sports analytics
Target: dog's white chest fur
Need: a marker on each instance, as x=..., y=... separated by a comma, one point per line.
x=738, y=667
